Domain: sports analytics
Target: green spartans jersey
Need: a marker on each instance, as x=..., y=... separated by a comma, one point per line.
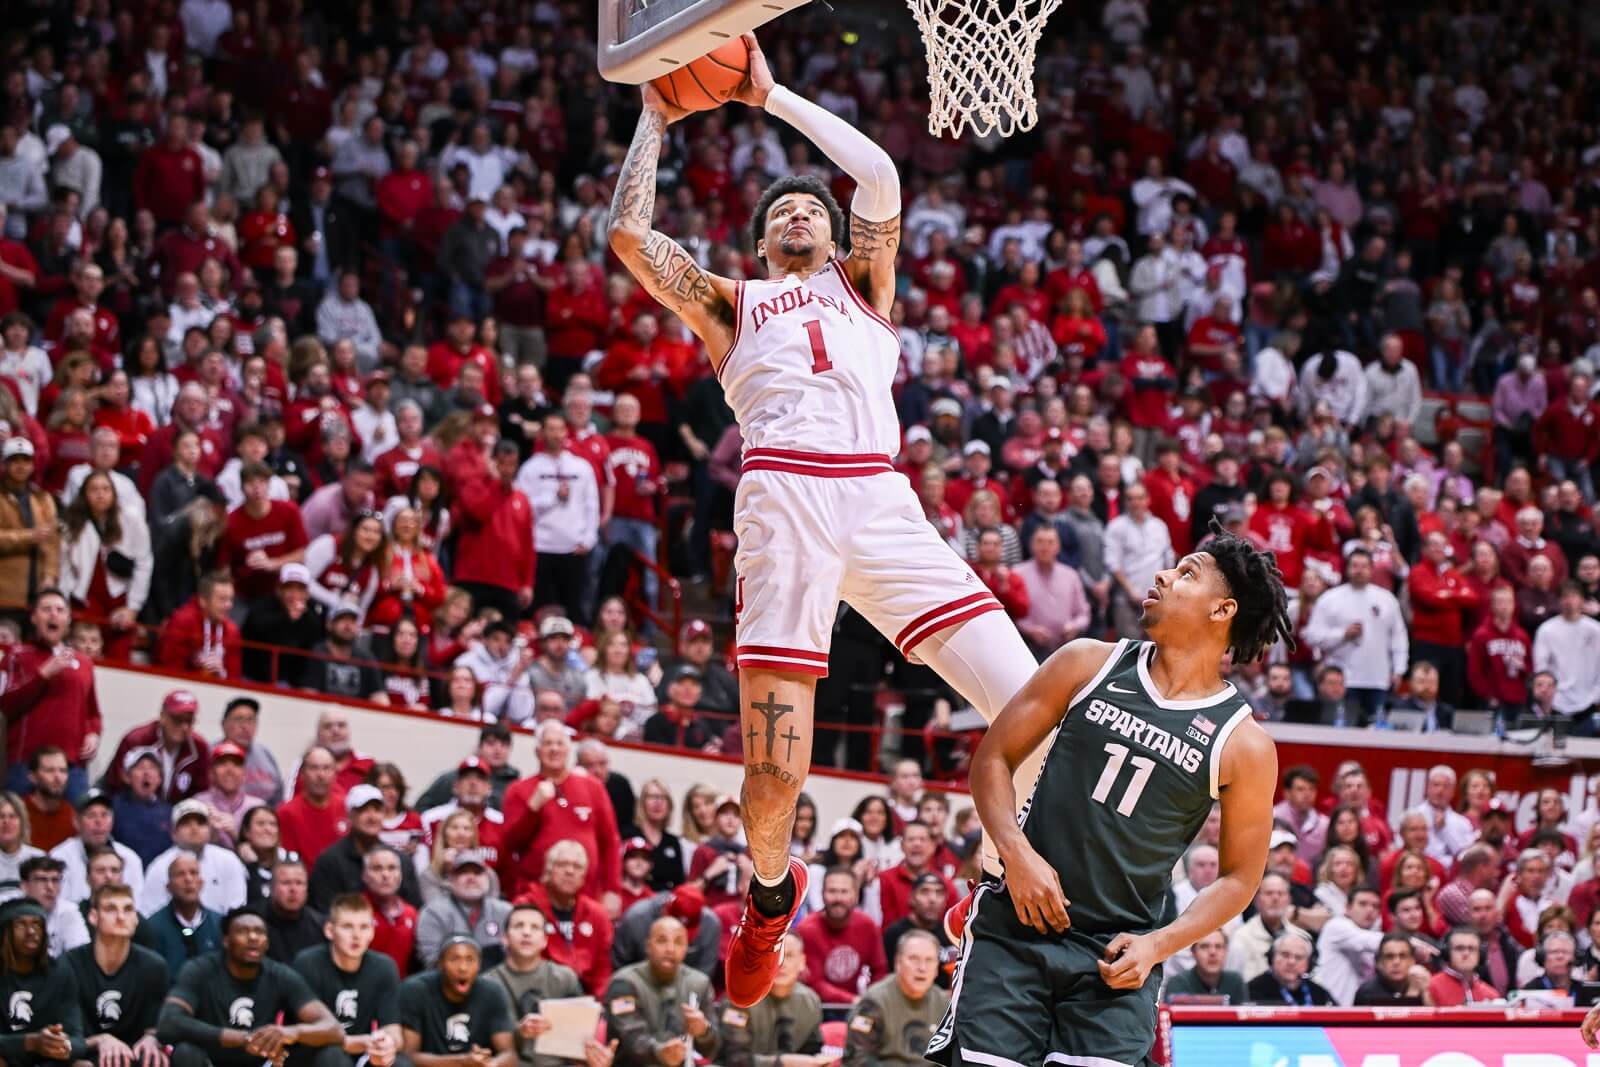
x=1126, y=786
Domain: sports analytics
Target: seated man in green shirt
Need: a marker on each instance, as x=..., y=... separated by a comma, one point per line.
x=1209, y=977
x=120, y=984
x=453, y=1016
x=40, y=997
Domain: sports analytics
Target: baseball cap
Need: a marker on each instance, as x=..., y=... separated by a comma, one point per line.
x=134, y=755
x=927, y=878
x=343, y=610
x=696, y=628
x=294, y=573
x=846, y=825
x=556, y=626
x=486, y=411
x=975, y=447
x=913, y=435
x=1281, y=838
x=377, y=377
x=16, y=446
x=1498, y=807
x=685, y=904
x=1319, y=472
x=472, y=765
x=226, y=750
x=190, y=808
x=724, y=800
x=180, y=703
x=362, y=795
x=686, y=670
x=55, y=137
x=470, y=857
x=21, y=908
x=636, y=844
x=93, y=797
x=946, y=406
x=322, y=174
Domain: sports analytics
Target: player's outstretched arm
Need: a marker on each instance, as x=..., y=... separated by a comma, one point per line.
x=661, y=265
x=1246, y=780
x=875, y=209
x=1026, y=720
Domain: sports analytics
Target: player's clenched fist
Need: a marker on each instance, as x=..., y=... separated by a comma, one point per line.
x=1035, y=890
x=1129, y=961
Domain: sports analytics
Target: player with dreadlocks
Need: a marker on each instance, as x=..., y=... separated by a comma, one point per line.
x=1061, y=957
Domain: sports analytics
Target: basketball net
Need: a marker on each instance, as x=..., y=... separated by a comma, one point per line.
x=980, y=63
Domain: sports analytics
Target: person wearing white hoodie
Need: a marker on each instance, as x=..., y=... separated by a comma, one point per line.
x=1568, y=646
x=501, y=665
x=561, y=487
x=1358, y=628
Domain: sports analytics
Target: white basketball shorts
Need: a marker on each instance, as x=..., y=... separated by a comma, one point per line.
x=815, y=529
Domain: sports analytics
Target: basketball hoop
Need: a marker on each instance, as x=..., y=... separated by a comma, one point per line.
x=980, y=62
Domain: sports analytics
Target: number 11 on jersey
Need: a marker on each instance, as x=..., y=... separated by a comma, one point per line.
x=1142, y=766
x=819, y=351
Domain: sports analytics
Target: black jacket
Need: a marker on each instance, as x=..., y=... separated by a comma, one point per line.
x=340, y=237
x=338, y=870
x=286, y=936
x=268, y=623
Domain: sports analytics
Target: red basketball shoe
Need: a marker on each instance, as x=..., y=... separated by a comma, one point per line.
x=955, y=919
x=756, y=950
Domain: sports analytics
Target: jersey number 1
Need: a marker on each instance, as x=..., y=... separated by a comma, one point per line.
x=819, y=351
x=1142, y=766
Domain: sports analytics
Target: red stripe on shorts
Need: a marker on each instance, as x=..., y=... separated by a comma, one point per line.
x=931, y=622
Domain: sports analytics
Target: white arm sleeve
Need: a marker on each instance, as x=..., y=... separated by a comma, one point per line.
x=877, y=196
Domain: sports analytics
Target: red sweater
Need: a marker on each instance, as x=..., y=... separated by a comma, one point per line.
x=445, y=362
x=1172, y=501
x=307, y=829
x=158, y=454
x=191, y=768
x=581, y=812
x=636, y=472
x=396, y=939
x=575, y=323
x=1151, y=383
x=1287, y=533
x=894, y=892
x=277, y=533
x=1439, y=596
x=1568, y=434
x=494, y=545
x=1499, y=663
x=836, y=958
x=394, y=469
x=1009, y=590
x=587, y=949
x=61, y=711
x=133, y=429
x=167, y=180
x=188, y=633
x=401, y=195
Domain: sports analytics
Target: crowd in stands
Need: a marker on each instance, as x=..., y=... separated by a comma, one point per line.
x=1454, y=907
x=316, y=371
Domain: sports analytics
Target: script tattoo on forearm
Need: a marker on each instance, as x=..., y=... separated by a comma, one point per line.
x=634, y=202
x=867, y=239
x=677, y=279
x=772, y=769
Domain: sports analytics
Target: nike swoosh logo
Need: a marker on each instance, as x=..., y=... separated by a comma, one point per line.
x=1115, y=688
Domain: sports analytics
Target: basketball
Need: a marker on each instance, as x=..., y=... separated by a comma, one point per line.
x=709, y=81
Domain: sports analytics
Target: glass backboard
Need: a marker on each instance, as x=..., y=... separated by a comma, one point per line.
x=644, y=39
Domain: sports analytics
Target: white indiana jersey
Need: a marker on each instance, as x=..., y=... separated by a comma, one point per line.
x=811, y=367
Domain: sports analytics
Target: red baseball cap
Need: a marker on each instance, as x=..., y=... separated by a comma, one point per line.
x=685, y=905
x=486, y=411
x=226, y=750
x=636, y=844
x=180, y=703
x=696, y=628
x=474, y=765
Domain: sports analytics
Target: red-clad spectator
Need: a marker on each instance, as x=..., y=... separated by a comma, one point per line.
x=185, y=249
x=896, y=884
x=1213, y=334
x=1151, y=381
x=1528, y=543
x=414, y=583
x=116, y=413
x=638, y=366
x=1006, y=584
x=51, y=699
x=1500, y=655
x=1288, y=530
x=1172, y=495
x=393, y=470
x=1439, y=599
x=68, y=429
x=260, y=535
x=170, y=176
x=394, y=919
x=576, y=318
x=188, y=414
x=1212, y=176
x=1457, y=984
x=579, y=929
x=264, y=230
x=402, y=194
x=976, y=464
x=19, y=271
x=585, y=440
x=514, y=283
x=1566, y=437
x=185, y=757
x=555, y=805
x=315, y=412
x=494, y=548
x=1291, y=246
x=88, y=282
x=720, y=860
x=199, y=636
x=1024, y=292
x=1076, y=330
x=315, y=817
x=1073, y=275
x=459, y=347
x=844, y=947
x=302, y=107
x=638, y=863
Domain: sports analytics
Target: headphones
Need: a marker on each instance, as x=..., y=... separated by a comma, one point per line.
x=1296, y=935
x=1539, y=949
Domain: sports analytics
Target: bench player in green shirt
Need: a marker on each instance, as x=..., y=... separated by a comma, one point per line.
x=1061, y=957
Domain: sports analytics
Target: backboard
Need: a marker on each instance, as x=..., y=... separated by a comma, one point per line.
x=644, y=39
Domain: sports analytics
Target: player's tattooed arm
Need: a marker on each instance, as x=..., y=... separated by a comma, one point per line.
x=873, y=249
x=661, y=265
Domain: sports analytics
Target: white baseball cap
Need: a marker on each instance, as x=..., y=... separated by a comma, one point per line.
x=16, y=446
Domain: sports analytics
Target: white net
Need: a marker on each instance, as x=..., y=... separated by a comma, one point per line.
x=980, y=62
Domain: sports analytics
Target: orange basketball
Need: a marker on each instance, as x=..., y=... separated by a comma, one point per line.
x=709, y=81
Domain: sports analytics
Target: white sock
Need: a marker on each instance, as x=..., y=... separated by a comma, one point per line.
x=773, y=883
x=986, y=661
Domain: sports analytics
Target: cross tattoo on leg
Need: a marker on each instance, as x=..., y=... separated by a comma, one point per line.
x=773, y=711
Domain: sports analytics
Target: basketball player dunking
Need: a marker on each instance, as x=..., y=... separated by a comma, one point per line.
x=806, y=358
x=1061, y=958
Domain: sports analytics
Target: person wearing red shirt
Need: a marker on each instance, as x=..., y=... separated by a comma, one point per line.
x=1500, y=656
x=185, y=757
x=263, y=231
x=1024, y=291
x=402, y=194
x=1457, y=984
x=19, y=271
x=199, y=636
x=896, y=884
x=1439, y=598
x=1212, y=176
x=576, y=320
x=494, y=543
x=1567, y=436
x=719, y=861
x=315, y=817
x=635, y=471
x=1076, y=330
x=393, y=470
x=1528, y=543
x=315, y=406
x=553, y=805
x=1213, y=334
x=189, y=413
x=1073, y=274
x=638, y=866
x=394, y=919
x=580, y=931
x=185, y=249
x=1287, y=530
x=88, y=282
x=116, y=413
x=1151, y=381
x=170, y=176
x=844, y=947
x=514, y=283
x=1005, y=583
x=976, y=464
x=51, y=700
x=585, y=441
x=446, y=357
x=1172, y=495
x=260, y=535
x=637, y=366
